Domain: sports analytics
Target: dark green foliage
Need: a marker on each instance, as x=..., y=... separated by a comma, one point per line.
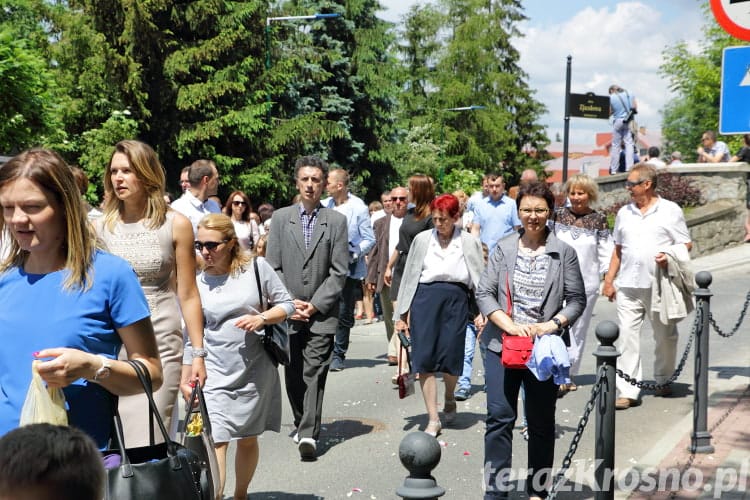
x=459, y=54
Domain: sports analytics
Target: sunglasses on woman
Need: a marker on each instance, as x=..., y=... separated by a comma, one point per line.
x=238, y=203
x=208, y=245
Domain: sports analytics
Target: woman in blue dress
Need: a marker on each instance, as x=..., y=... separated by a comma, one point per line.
x=65, y=302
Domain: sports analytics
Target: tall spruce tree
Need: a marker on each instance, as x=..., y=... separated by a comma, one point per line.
x=349, y=76
x=477, y=65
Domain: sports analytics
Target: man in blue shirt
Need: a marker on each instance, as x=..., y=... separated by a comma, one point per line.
x=361, y=241
x=496, y=215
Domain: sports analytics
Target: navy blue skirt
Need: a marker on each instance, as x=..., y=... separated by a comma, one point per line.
x=438, y=316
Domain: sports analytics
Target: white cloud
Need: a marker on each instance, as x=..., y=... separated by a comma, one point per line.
x=622, y=45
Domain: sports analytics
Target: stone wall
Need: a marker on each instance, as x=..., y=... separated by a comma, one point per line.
x=718, y=224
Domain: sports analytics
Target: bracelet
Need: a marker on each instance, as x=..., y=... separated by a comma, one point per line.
x=263, y=317
x=199, y=353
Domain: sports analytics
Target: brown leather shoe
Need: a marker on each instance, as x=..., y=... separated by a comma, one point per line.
x=625, y=403
x=663, y=392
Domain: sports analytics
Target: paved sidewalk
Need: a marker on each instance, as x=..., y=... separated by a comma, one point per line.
x=725, y=472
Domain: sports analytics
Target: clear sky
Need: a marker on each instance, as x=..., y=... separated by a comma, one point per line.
x=609, y=41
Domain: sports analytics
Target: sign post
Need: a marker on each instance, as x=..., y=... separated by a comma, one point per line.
x=734, y=104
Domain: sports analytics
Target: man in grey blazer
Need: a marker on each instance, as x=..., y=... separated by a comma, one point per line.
x=308, y=248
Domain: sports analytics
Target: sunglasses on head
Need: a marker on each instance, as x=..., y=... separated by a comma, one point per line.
x=208, y=245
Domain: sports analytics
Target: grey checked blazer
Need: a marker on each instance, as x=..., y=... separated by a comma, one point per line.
x=316, y=274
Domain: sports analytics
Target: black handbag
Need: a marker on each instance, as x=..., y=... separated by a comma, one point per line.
x=275, y=337
x=166, y=470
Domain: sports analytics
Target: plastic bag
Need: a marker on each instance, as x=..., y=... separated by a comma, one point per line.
x=43, y=405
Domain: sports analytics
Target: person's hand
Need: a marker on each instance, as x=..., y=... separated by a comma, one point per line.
x=479, y=322
x=303, y=310
x=522, y=330
x=400, y=325
x=370, y=287
x=250, y=322
x=198, y=370
x=66, y=366
x=388, y=276
x=186, y=387
x=609, y=291
x=661, y=260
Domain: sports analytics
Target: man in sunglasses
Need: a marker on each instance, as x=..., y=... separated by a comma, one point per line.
x=650, y=234
x=386, y=239
x=308, y=248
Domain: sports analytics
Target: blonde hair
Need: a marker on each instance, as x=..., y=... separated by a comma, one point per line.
x=148, y=169
x=223, y=224
x=584, y=182
x=49, y=171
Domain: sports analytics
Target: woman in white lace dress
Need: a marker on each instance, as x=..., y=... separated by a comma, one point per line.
x=586, y=230
x=139, y=226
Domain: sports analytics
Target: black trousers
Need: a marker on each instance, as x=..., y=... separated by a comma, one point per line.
x=502, y=396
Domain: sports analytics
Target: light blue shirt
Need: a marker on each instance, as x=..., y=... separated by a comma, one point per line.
x=550, y=359
x=496, y=219
x=620, y=102
x=361, y=237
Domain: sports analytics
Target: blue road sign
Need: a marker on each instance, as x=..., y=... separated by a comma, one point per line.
x=734, y=107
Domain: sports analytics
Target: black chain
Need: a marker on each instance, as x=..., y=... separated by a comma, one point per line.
x=590, y=405
x=737, y=325
x=691, y=458
x=652, y=387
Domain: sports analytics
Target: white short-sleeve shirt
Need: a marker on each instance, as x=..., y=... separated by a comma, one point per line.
x=642, y=236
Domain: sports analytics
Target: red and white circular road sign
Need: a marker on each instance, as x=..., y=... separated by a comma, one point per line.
x=733, y=16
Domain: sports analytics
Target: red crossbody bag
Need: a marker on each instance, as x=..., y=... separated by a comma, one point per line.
x=516, y=350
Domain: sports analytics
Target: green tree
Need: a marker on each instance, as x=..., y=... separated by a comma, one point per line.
x=27, y=87
x=475, y=65
x=695, y=78
x=351, y=82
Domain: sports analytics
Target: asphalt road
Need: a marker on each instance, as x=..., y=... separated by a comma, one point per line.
x=364, y=421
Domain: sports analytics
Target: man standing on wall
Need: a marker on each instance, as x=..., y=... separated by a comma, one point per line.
x=622, y=107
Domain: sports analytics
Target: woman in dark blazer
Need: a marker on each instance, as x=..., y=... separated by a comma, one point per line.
x=542, y=276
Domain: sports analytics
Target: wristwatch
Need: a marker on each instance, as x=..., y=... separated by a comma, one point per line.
x=557, y=322
x=104, y=371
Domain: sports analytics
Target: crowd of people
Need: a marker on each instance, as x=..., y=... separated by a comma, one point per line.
x=188, y=288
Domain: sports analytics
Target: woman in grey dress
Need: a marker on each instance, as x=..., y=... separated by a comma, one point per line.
x=243, y=392
x=139, y=226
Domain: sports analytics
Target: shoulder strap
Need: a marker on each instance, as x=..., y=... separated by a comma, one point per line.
x=626, y=106
x=257, y=282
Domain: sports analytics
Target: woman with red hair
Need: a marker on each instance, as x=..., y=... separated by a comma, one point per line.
x=443, y=266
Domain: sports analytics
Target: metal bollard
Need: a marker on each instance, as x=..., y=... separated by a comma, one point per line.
x=420, y=454
x=604, y=451
x=700, y=440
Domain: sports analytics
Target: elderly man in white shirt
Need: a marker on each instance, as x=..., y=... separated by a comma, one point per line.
x=644, y=230
x=204, y=182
